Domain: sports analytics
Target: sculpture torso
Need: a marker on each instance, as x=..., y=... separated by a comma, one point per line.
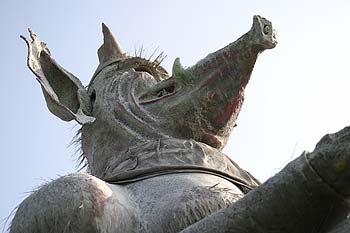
x=175, y=201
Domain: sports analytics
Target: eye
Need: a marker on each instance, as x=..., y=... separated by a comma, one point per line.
x=266, y=29
x=166, y=91
x=160, y=91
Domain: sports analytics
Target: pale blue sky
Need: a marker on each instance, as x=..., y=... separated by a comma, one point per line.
x=298, y=92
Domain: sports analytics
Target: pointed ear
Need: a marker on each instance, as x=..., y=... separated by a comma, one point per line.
x=65, y=95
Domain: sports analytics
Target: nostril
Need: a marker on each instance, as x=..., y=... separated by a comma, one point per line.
x=266, y=29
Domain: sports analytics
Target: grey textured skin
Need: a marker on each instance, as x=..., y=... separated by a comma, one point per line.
x=153, y=148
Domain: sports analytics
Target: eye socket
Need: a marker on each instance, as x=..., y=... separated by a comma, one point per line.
x=144, y=69
x=166, y=91
x=266, y=29
x=160, y=91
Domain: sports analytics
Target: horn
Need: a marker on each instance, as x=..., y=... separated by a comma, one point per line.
x=110, y=49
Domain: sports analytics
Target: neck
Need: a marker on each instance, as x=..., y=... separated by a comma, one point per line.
x=106, y=154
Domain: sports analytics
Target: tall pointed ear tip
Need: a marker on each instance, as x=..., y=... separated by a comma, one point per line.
x=104, y=27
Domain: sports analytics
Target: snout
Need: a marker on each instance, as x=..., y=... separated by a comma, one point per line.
x=264, y=35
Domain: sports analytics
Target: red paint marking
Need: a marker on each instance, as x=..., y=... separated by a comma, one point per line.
x=211, y=140
x=222, y=71
x=220, y=59
x=232, y=107
x=98, y=199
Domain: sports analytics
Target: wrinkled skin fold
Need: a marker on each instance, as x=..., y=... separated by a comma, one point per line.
x=153, y=142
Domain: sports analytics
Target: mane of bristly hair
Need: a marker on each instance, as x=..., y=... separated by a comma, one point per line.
x=5, y=223
x=81, y=161
x=142, y=53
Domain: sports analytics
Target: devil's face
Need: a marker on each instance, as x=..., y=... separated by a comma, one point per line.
x=140, y=103
x=131, y=100
x=137, y=100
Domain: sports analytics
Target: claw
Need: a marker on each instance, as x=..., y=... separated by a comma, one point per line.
x=25, y=39
x=32, y=34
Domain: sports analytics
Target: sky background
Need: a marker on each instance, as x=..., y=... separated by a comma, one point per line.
x=298, y=92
